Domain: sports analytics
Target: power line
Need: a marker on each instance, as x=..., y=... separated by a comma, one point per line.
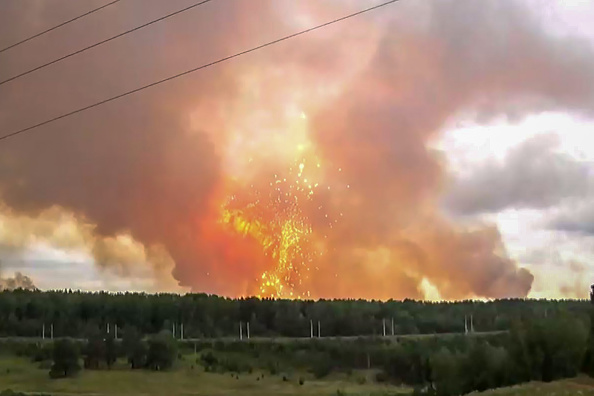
x=58, y=26
x=12, y=134
x=103, y=42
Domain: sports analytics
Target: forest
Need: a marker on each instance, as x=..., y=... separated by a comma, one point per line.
x=25, y=313
x=438, y=348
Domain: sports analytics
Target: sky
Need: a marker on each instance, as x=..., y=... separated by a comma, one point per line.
x=428, y=150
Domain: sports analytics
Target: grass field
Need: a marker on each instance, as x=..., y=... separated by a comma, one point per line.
x=572, y=387
x=21, y=375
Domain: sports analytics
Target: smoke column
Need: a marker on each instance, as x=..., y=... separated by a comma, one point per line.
x=301, y=171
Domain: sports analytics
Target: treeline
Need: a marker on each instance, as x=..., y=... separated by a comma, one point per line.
x=76, y=314
x=545, y=349
x=100, y=351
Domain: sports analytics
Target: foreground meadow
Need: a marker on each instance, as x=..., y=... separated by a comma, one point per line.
x=21, y=375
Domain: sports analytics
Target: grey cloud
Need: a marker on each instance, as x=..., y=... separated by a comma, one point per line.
x=576, y=218
x=532, y=175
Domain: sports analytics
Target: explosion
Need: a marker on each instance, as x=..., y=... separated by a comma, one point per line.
x=275, y=216
x=239, y=192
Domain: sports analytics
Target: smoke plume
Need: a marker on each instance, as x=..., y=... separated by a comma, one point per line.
x=18, y=281
x=145, y=177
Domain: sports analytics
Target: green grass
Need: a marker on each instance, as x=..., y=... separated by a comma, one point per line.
x=21, y=375
x=572, y=387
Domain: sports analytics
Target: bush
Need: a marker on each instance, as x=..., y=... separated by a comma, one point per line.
x=162, y=352
x=42, y=353
x=134, y=348
x=322, y=367
x=382, y=377
x=137, y=357
x=273, y=368
x=66, y=356
x=209, y=359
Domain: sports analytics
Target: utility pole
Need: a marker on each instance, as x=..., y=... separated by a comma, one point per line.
x=393, y=334
x=319, y=330
x=384, y=326
x=311, y=329
x=248, y=330
x=240, y=331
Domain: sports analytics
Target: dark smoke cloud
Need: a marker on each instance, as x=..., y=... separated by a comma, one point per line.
x=532, y=175
x=142, y=166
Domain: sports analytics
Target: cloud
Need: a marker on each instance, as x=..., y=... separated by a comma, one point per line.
x=533, y=175
x=377, y=90
x=576, y=218
x=24, y=239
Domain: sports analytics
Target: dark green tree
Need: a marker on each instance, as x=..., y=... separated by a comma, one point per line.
x=111, y=350
x=445, y=373
x=588, y=364
x=134, y=348
x=162, y=351
x=94, y=351
x=66, y=359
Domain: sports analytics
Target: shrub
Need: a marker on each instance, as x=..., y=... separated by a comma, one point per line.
x=42, y=353
x=162, y=352
x=209, y=359
x=273, y=368
x=382, y=377
x=66, y=356
x=322, y=367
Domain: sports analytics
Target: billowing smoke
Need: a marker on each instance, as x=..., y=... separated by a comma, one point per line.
x=18, y=281
x=146, y=176
x=148, y=268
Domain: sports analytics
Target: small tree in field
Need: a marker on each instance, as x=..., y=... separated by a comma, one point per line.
x=94, y=350
x=66, y=356
x=111, y=350
x=162, y=352
x=134, y=348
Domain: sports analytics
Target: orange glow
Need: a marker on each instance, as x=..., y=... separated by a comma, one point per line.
x=274, y=217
